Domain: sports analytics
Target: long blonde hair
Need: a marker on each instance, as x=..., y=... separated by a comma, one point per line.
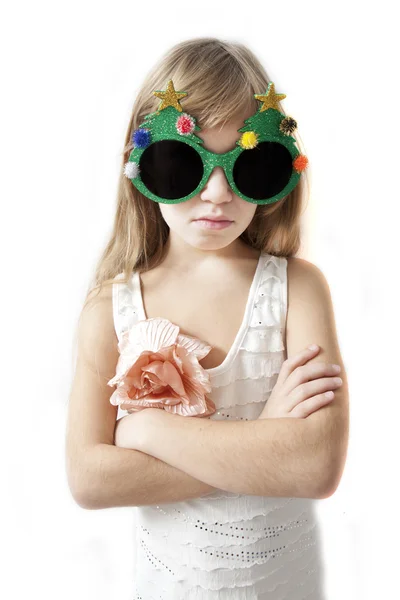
x=221, y=78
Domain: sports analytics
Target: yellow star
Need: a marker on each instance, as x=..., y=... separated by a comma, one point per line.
x=170, y=97
x=270, y=99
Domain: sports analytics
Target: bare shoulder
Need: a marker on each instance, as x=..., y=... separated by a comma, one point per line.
x=308, y=294
x=97, y=339
x=91, y=417
x=303, y=273
x=310, y=313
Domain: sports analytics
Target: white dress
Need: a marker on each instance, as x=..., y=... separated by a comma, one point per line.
x=224, y=545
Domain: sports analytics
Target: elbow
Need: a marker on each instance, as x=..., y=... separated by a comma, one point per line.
x=329, y=481
x=80, y=480
x=80, y=494
x=83, y=500
x=335, y=465
x=325, y=491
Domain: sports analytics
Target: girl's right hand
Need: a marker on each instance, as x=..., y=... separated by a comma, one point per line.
x=300, y=388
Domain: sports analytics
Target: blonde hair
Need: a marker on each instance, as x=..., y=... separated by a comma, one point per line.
x=221, y=78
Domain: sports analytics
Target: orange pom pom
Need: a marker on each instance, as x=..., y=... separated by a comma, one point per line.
x=300, y=163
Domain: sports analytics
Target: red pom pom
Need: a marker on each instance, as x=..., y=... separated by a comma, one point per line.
x=185, y=124
x=300, y=163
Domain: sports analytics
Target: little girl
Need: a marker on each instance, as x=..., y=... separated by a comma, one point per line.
x=196, y=396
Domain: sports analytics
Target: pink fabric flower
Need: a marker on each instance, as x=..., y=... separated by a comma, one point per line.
x=159, y=367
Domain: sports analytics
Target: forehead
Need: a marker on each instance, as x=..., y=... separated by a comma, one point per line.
x=222, y=138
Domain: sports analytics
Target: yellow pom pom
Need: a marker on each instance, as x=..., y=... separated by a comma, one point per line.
x=248, y=140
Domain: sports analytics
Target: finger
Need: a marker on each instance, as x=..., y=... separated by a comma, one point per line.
x=317, y=372
x=295, y=361
x=306, y=408
x=319, y=386
x=311, y=389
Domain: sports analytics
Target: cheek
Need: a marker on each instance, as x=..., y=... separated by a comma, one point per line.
x=248, y=210
x=174, y=213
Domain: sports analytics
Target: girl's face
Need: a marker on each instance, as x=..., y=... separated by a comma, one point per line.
x=215, y=199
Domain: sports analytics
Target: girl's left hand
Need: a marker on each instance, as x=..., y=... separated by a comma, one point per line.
x=130, y=430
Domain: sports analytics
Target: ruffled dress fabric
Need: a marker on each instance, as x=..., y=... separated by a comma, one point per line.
x=224, y=545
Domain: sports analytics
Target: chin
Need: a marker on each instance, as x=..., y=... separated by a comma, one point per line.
x=209, y=244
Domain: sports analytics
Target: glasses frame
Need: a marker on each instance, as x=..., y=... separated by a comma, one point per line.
x=211, y=160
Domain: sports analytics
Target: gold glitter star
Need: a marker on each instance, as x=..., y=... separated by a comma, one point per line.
x=170, y=97
x=270, y=99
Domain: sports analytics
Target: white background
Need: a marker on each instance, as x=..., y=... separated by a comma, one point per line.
x=69, y=75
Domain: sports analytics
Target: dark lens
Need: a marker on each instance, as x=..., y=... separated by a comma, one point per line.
x=263, y=171
x=171, y=169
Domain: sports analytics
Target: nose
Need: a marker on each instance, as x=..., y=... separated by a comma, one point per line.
x=217, y=188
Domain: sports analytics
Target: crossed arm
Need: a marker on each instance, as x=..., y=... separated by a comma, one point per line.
x=272, y=457
x=267, y=457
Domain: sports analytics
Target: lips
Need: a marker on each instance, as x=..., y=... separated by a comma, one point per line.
x=212, y=219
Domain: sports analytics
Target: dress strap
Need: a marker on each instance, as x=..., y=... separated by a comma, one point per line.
x=125, y=304
x=270, y=300
x=267, y=324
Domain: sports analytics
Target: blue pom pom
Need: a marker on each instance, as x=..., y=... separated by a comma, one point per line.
x=141, y=138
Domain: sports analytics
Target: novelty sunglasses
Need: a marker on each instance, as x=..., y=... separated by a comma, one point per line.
x=169, y=164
